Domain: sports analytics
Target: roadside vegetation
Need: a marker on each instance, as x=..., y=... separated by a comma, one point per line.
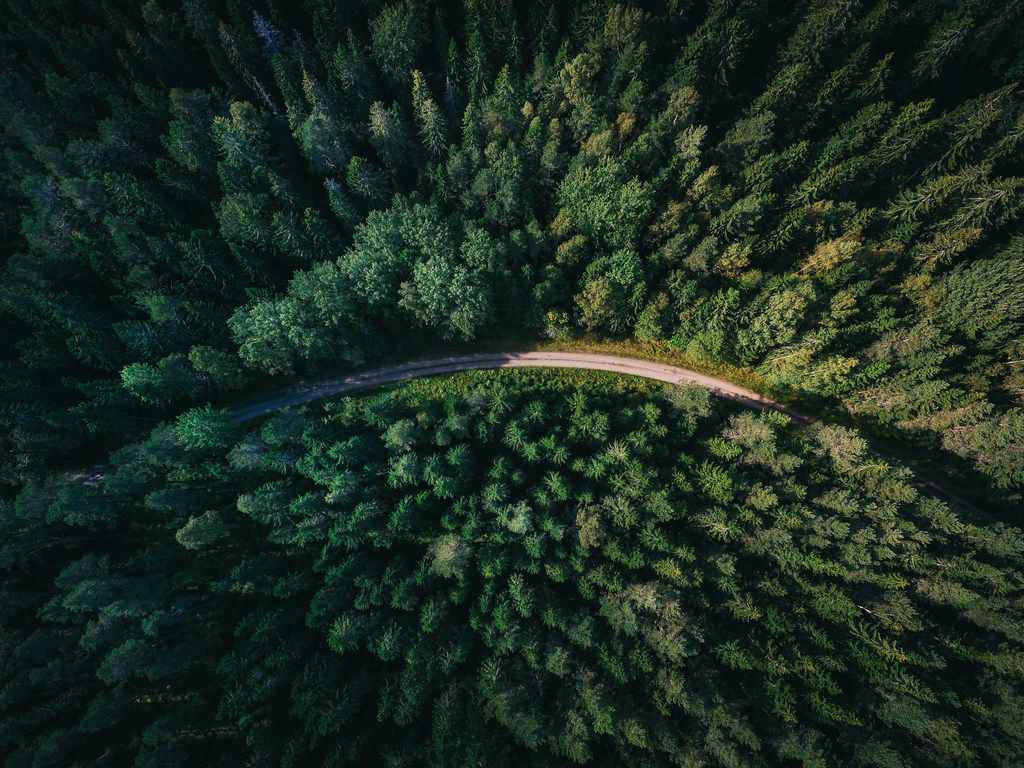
x=826, y=194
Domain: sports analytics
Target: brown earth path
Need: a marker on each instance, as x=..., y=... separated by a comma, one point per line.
x=671, y=374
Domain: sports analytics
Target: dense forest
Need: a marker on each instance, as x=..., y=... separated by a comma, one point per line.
x=513, y=569
x=200, y=199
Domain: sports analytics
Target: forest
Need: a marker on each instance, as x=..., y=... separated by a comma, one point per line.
x=204, y=200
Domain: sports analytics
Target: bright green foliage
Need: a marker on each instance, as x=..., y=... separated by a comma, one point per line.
x=171, y=379
x=201, y=532
x=203, y=428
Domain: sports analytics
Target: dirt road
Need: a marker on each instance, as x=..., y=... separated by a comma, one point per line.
x=671, y=374
x=305, y=393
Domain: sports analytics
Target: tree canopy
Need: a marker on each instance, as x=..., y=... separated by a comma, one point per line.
x=202, y=199
x=513, y=568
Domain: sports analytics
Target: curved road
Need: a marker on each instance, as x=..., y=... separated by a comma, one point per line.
x=631, y=366
x=671, y=374
x=305, y=393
